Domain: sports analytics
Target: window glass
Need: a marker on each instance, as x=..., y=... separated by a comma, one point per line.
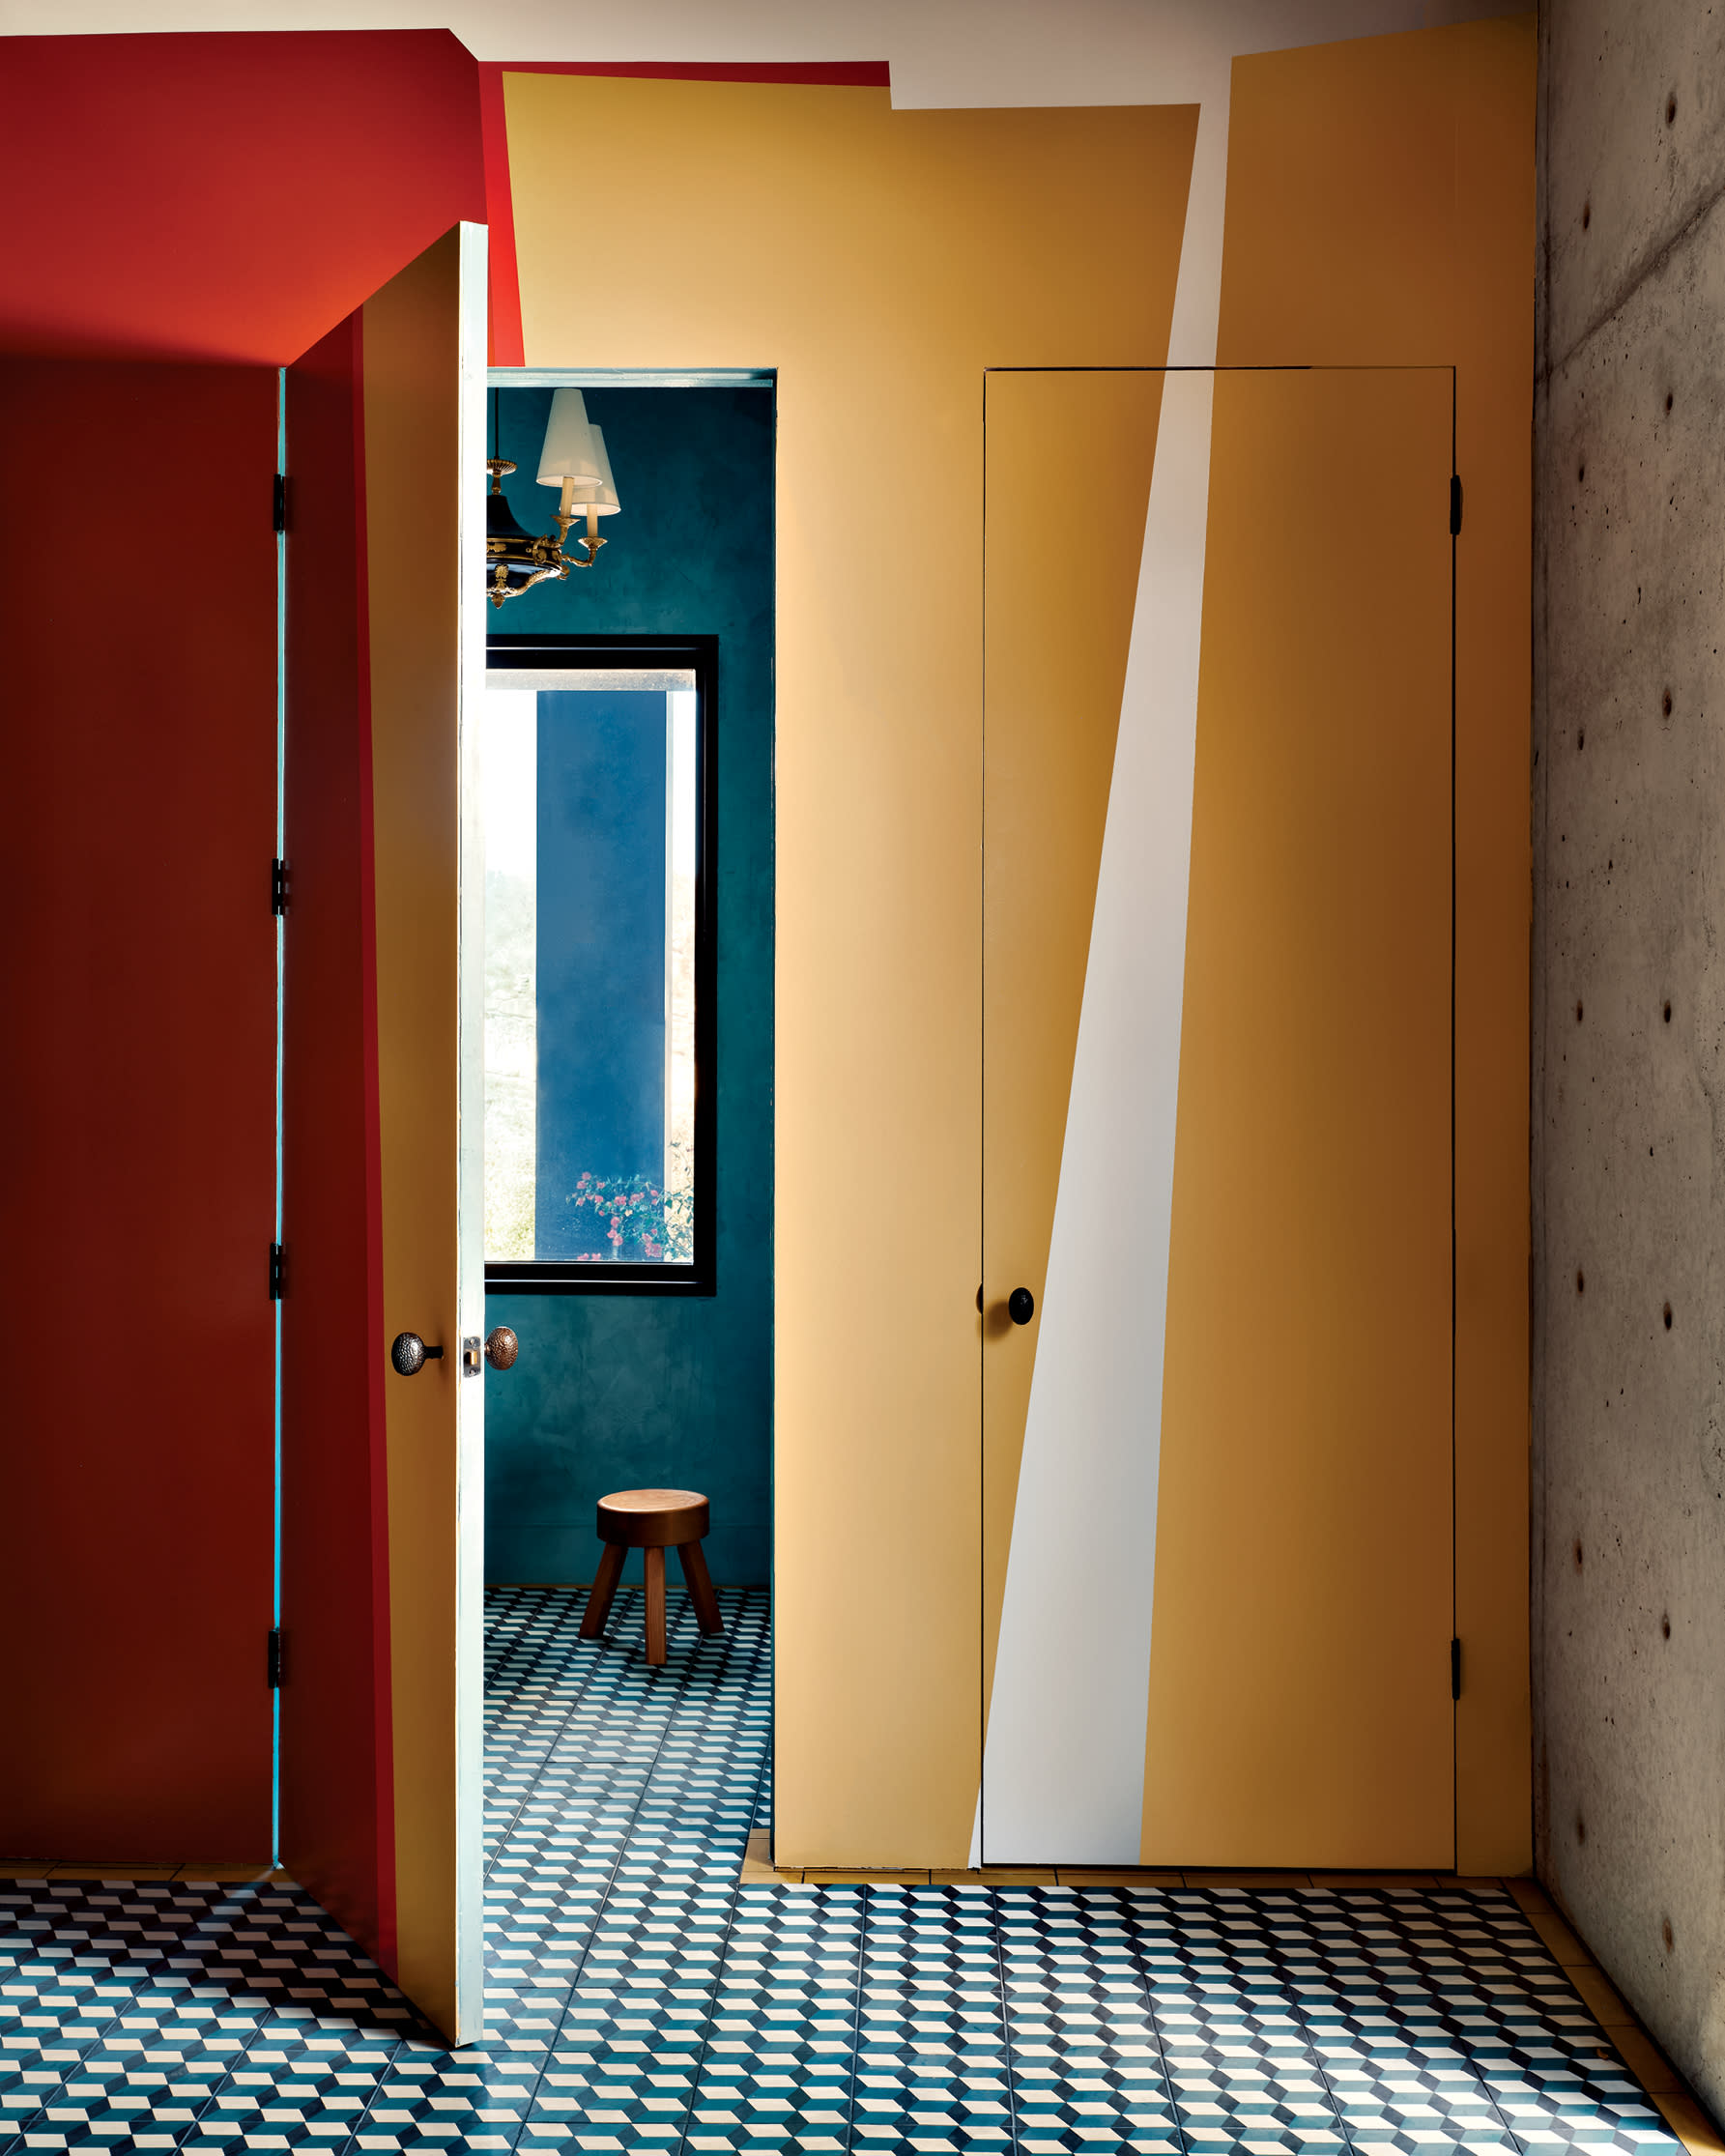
x=511, y=782
x=592, y=820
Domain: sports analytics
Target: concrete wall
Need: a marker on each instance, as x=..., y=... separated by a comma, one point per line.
x=1629, y=1008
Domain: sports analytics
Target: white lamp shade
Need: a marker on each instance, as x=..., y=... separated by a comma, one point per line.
x=603, y=495
x=569, y=451
x=598, y=495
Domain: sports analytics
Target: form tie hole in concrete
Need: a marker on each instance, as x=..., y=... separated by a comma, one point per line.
x=1578, y=1553
x=1586, y=214
x=1580, y=1277
x=1665, y=1628
x=1670, y=116
x=1580, y=1828
x=1665, y=703
x=1581, y=738
x=1667, y=1933
x=1668, y=1317
x=1579, y=1014
x=1668, y=400
x=1668, y=1014
x=1580, y=472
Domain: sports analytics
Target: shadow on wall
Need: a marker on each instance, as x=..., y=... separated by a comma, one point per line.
x=620, y=1391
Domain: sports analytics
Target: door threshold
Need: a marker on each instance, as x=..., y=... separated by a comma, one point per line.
x=227, y=1874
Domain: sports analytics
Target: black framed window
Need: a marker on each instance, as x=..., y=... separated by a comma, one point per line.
x=599, y=827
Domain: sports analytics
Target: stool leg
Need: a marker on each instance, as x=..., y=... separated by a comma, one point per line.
x=604, y=1587
x=654, y=1563
x=701, y=1586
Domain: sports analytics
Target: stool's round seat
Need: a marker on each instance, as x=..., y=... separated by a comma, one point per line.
x=652, y=1522
x=653, y=1519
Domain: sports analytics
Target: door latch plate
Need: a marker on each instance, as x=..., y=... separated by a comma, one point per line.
x=473, y=1357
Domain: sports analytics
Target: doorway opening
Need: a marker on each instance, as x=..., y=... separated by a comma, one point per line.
x=626, y=774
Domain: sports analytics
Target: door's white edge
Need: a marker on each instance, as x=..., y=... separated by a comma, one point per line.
x=470, y=1411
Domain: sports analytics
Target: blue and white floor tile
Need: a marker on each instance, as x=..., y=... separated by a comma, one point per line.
x=639, y=1998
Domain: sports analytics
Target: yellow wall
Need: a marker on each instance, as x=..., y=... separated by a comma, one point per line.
x=1299, y=1700
x=880, y=261
x=1381, y=213
x=1380, y=206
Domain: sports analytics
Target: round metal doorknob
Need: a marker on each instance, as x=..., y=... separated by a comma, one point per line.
x=1020, y=1306
x=500, y=1347
x=408, y=1354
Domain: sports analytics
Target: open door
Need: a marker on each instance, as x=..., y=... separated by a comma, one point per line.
x=381, y=1474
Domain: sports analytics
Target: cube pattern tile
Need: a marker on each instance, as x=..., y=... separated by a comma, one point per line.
x=639, y=1998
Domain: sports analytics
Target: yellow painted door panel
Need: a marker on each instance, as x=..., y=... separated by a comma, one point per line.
x=423, y=344
x=1300, y=1709
x=1061, y=576
x=1218, y=1551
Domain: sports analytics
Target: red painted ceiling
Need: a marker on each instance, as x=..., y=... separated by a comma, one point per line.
x=224, y=197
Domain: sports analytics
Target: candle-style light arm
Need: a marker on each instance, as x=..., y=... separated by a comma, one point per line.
x=566, y=514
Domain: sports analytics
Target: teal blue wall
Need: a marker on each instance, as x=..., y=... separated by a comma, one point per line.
x=613, y=1392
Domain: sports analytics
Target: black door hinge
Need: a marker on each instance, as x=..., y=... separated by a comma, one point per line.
x=278, y=887
x=274, y=1660
x=278, y=1271
x=280, y=505
x=1454, y=503
x=1454, y=1669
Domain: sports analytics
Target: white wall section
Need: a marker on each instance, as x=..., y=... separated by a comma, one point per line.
x=942, y=53
x=1197, y=291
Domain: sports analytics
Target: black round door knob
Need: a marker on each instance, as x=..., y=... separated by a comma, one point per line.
x=1020, y=1306
x=408, y=1354
x=500, y=1347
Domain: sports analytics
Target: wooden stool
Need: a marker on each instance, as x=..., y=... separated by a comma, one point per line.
x=652, y=1521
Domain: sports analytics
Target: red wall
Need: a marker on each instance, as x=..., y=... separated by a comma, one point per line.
x=224, y=197
x=228, y=196
x=137, y=609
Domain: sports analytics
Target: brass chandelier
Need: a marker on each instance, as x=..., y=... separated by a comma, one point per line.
x=574, y=460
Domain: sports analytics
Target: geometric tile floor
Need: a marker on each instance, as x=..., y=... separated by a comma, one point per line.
x=639, y=1996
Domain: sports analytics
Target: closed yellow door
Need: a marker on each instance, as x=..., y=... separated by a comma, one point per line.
x=1217, y=1085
